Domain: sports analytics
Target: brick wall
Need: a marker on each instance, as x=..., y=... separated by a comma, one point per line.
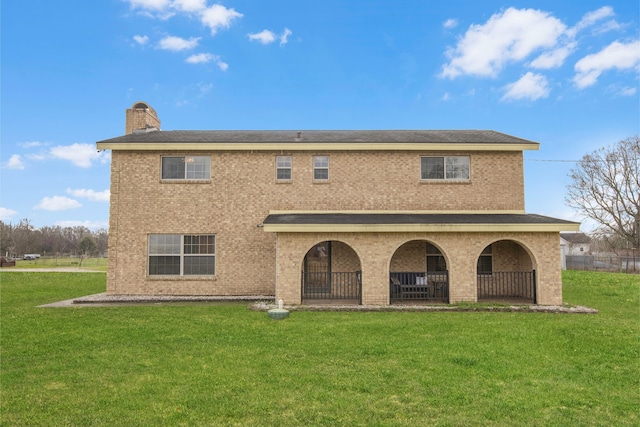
x=140, y=118
x=461, y=250
x=243, y=190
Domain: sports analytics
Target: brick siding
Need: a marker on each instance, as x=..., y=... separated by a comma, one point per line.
x=243, y=189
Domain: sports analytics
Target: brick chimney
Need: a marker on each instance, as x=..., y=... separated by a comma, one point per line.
x=141, y=116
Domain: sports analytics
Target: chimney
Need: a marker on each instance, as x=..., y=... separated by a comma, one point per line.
x=141, y=116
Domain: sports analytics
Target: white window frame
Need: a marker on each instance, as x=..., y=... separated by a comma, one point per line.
x=284, y=163
x=171, y=249
x=320, y=167
x=449, y=171
x=199, y=164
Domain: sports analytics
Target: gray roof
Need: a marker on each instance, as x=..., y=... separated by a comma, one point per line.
x=321, y=136
x=396, y=218
x=576, y=238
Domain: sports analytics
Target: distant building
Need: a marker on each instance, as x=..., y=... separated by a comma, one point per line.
x=575, y=243
x=331, y=216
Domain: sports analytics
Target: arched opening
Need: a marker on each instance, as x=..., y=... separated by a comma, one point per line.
x=331, y=272
x=505, y=273
x=418, y=272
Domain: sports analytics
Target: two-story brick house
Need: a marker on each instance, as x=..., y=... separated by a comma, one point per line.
x=371, y=217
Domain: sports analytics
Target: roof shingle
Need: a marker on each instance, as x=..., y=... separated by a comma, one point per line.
x=321, y=136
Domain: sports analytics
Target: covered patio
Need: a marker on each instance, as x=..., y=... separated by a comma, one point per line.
x=418, y=274
x=416, y=258
x=506, y=274
x=331, y=274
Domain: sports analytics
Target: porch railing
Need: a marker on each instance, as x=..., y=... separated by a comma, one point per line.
x=418, y=286
x=332, y=286
x=507, y=285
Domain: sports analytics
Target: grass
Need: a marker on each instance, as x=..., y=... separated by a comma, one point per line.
x=221, y=364
x=99, y=264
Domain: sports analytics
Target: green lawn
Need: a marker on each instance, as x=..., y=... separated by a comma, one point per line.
x=221, y=364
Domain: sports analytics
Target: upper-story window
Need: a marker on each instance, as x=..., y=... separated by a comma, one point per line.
x=320, y=168
x=444, y=168
x=186, y=167
x=283, y=168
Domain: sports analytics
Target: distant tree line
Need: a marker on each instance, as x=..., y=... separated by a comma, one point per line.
x=23, y=238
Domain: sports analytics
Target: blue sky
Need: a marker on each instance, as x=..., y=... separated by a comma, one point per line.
x=565, y=74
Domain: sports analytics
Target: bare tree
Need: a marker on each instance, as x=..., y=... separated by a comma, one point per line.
x=605, y=187
x=6, y=239
x=26, y=237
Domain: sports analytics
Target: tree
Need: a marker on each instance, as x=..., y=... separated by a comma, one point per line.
x=6, y=239
x=87, y=246
x=605, y=187
x=26, y=238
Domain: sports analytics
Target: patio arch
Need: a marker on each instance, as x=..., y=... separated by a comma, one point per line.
x=505, y=272
x=418, y=271
x=331, y=270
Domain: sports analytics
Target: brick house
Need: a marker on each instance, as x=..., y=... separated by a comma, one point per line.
x=370, y=217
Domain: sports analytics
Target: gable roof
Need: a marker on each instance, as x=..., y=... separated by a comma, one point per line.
x=575, y=238
x=314, y=139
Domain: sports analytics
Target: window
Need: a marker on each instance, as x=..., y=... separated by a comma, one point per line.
x=444, y=168
x=320, y=168
x=435, y=260
x=283, y=168
x=177, y=255
x=485, y=261
x=186, y=167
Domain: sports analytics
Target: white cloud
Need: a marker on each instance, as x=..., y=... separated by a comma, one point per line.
x=6, y=214
x=190, y=5
x=152, y=8
x=264, y=37
x=38, y=157
x=611, y=25
x=628, y=91
x=176, y=44
x=31, y=144
x=215, y=17
x=149, y=4
x=15, y=162
x=218, y=16
x=79, y=154
x=553, y=58
x=94, y=196
x=284, y=37
x=200, y=58
x=57, y=203
x=141, y=40
x=617, y=55
x=203, y=58
x=589, y=19
x=268, y=36
x=450, y=23
x=530, y=86
x=509, y=36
